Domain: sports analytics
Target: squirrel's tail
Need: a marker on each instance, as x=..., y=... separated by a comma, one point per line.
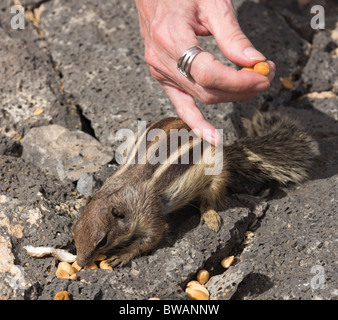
x=277, y=149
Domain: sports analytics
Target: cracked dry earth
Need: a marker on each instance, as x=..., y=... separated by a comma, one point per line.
x=76, y=74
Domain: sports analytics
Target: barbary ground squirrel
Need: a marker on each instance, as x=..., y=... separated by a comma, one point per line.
x=129, y=212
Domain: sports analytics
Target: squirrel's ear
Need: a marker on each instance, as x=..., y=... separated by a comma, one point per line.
x=88, y=199
x=117, y=213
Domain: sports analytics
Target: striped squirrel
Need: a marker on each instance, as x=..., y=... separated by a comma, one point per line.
x=128, y=213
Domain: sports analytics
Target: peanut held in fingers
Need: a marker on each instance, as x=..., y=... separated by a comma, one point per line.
x=262, y=68
x=248, y=69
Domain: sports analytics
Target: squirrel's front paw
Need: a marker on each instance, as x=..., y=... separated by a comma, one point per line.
x=119, y=260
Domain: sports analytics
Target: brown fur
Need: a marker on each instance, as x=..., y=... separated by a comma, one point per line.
x=128, y=212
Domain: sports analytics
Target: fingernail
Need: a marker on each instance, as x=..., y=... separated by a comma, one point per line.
x=253, y=54
x=213, y=138
x=217, y=138
x=262, y=86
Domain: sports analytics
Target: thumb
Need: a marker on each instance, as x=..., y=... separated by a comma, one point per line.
x=230, y=38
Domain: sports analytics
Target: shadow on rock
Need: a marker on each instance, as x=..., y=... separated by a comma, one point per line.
x=252, y=286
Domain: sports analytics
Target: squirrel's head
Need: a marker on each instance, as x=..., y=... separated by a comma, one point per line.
x=110, y=220
x=104, y=223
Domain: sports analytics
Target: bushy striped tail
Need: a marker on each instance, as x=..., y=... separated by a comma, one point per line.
x=277, y=149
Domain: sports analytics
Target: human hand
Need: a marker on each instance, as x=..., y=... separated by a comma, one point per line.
x=170, y=27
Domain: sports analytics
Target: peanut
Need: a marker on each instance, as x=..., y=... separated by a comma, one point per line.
x=38, y=111
x=227, y=262
x=76, y=266
x=249, y=234
x=101, y=257
x=67, y=267
x=262, y=68
x=62, y=295
x=287, y=83
x=73, y=276
x=105, y=265
x=202, y=276
x=91, y=266
x=193, y=283
x=65, y=271
x=62, y=274
x=196, y=291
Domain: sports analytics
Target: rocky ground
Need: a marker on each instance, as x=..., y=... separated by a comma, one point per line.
x=76, y=74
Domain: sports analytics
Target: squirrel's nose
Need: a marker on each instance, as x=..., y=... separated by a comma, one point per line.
x=81, y=261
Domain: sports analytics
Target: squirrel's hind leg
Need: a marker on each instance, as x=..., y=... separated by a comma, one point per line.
x=212, y=197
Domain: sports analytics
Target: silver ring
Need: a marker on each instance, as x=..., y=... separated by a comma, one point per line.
x=185, y=60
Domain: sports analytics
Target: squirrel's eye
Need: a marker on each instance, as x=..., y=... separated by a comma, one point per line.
x=102, y=242
x=117, y=213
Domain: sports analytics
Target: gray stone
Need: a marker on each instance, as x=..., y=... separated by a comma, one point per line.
x=15, y=216
x=324, y=58
x=223, y=286
x=296, y=238
x=66, y=154
x=32, y=92
x=86, y=185
x=22, y=180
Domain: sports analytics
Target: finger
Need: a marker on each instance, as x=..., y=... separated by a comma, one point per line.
x=205, y=95
x=272, y=66
x=188, y=111
x=211, y=73
x=223, y=24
